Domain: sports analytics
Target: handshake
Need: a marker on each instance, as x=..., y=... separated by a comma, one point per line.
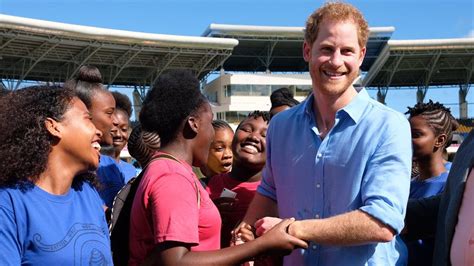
x=275, y=235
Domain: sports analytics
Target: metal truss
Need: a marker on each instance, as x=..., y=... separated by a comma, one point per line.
x=56, y=58
x=267, y=59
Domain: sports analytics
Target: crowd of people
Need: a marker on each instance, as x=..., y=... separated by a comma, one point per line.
x=338, y=179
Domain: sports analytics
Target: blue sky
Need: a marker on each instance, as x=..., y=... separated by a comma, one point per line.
x=424, y=19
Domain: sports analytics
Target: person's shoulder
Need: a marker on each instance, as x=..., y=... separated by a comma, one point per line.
x=160, y=169
x=381, y=116
x=11, y=196
x=165, y=166
x=385, y=111
x=7, y=195
x=106, y=160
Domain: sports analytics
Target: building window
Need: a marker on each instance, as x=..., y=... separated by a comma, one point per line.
x=260, y=90
x=227, y=91
x=235, y=117
x=212, y=96
x=303, y=90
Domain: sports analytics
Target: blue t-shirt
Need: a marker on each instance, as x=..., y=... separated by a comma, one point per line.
x=447, y=165
x=111, y=179
x=128, y=170
x=429, y=187
x=420, y=252
x=39, y=228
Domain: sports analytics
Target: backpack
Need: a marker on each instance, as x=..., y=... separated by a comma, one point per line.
x=119, y=225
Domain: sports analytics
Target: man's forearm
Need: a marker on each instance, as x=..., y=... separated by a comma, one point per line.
x=353, y=228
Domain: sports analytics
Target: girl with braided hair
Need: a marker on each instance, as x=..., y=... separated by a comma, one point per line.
x=142, y=145
x=432, y=127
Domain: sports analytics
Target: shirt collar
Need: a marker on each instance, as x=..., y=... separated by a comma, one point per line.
x=354, y=109
x=308, y=105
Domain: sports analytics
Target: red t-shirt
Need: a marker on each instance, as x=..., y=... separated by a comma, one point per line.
x=165, y=208
x=245, y=192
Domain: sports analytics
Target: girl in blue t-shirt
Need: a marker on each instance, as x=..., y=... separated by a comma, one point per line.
x=431, y=127
x=50, y=212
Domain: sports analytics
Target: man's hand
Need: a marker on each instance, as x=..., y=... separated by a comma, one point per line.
x=279, y=241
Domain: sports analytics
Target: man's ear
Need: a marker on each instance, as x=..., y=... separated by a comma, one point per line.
x=363, y=50
x=53, y=127
x=306, y=51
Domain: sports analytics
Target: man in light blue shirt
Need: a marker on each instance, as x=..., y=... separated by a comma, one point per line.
x=339, y=162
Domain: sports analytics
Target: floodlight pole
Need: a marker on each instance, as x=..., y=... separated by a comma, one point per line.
x=463, y=91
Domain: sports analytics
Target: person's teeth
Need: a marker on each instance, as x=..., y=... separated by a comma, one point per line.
x=251, y=147
x=96, y=146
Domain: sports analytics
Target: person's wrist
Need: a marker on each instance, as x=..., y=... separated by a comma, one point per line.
x=290, y=229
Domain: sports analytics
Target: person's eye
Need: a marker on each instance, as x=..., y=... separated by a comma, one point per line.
x=347, y=51
x=246, y=129
x=326, y=49
x=218, y=148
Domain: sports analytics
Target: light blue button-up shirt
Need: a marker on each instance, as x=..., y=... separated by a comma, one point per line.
x=363, y=163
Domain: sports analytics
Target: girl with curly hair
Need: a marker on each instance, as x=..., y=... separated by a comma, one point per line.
x=173, y=220
x=50, y=212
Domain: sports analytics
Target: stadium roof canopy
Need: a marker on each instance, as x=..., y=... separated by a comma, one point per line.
x=40, y=50
x=423, y=63
x=280, y=49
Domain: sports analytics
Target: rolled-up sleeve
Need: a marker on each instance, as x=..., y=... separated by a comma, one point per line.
x=386, y=183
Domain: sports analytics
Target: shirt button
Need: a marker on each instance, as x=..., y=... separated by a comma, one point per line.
x=319, y=155
x=314, y=247
x=318, y=185
x=316, y=216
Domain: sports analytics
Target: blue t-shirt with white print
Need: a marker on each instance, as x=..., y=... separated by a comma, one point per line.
x=39, y=228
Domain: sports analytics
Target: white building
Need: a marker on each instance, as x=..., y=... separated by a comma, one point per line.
x=233, y=96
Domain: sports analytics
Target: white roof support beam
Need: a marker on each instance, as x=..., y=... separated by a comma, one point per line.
x=268, y=58
x=121, y=65
x=7, y=43
x=24, y=74
x=394, y=70
x=433, y=67
x=84, y=60
x=202, y=66
x=169, y=58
